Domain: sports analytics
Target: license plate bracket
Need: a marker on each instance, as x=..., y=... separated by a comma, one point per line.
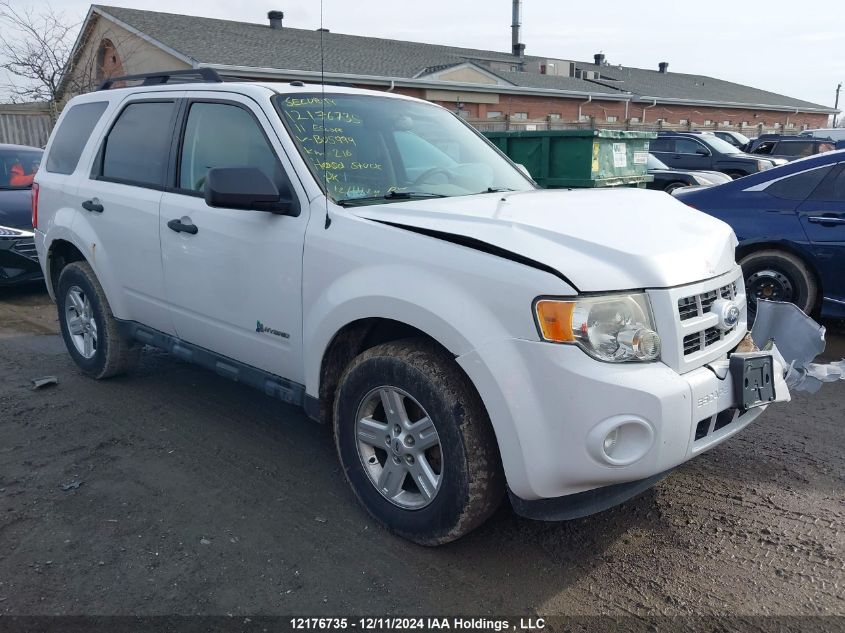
x=754, y=380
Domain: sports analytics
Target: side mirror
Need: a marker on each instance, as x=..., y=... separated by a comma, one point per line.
x=524, y=170
x=703, y=152
x=247, y=188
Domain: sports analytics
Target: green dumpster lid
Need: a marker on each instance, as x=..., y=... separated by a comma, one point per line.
x=620, y=134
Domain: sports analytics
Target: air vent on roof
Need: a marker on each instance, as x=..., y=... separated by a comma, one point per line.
x=275, y=18
x=664, y=67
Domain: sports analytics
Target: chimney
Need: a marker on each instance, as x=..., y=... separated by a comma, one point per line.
x=517, y=48
x=599, y=59
x=664, y=67
x=275, y=18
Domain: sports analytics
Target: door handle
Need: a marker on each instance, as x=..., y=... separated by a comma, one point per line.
x=93, y=205
x=180, y=227
x=825, y=219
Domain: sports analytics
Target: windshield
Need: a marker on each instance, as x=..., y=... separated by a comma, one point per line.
x=18, y=166
x=652, y=162
x=737, y=137
x=723, y=147
x=366, y=149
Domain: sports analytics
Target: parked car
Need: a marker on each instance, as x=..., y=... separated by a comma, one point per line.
x=834, y=133
x=790, y=222
x=685, y=150
x=464, y=333
x=666, y=179
x=789, y=147
x=737, y=139
x=18, y=259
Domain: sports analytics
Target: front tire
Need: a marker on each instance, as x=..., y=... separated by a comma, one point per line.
x=88, y=326
x=415, y=442
x=778, y=276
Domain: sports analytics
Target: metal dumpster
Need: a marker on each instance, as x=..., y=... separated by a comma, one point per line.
x=579, y=158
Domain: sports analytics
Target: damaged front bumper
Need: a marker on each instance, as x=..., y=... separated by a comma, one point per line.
x=18, y=257
x=724, y=397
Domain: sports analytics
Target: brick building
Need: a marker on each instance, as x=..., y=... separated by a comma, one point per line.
x=489, y=88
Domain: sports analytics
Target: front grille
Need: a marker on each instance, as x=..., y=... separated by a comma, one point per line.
x=699, y=305
x=26, y=247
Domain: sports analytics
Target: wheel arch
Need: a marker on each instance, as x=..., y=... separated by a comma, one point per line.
x=747, y=248
x=355, y=338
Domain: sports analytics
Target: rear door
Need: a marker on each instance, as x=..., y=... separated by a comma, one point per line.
x=119, y=203
x=823, y=218
x=234, y=285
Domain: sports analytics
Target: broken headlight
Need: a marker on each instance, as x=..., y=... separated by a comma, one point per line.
x=611, y=328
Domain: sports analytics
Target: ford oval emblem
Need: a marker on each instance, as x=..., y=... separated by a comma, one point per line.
x=728, y=313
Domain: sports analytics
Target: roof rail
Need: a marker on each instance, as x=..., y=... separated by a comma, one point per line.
x=202, y=75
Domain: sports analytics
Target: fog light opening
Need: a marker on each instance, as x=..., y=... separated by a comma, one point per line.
x=620, y=440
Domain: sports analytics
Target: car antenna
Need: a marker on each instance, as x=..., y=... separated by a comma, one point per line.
x=323, y=119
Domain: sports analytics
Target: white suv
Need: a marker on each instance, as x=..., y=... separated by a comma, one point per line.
x=372, y=258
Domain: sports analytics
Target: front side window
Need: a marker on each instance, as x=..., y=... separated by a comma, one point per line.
x=765, y=147
x=72, y=135
x=688, y=146
x=363, y=147
x=18, y=166
x=796, y=148
x=137, y=148
x=223, y=135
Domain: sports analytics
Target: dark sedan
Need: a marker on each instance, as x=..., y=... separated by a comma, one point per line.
x=667, y=179
x=18, y=259
x=790, y=222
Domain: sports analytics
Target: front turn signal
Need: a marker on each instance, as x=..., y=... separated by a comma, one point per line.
x=555, y=320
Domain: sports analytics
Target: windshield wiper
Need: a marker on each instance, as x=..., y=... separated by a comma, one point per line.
x=391, y=195
x=497, y=189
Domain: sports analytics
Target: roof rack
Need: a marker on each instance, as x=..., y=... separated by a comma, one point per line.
x=202, y=75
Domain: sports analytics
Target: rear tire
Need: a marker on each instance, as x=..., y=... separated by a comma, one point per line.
x=674, y=185
x=779, y=276
x=88, y=326
x=457, y=464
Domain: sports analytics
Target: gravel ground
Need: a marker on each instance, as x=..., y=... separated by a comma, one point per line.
x=174, y=491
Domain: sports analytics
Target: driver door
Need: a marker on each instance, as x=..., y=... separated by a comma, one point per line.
x=233, y=282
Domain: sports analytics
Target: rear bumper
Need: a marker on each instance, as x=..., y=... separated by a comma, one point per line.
x=18, y=257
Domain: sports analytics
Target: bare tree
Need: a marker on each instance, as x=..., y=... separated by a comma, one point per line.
x=35, y=49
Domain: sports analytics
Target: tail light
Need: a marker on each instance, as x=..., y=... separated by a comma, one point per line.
x=35, y=189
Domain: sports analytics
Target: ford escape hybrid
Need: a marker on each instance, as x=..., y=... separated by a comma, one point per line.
x=372, y=258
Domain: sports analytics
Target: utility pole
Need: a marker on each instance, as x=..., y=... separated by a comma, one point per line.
x=836, y=105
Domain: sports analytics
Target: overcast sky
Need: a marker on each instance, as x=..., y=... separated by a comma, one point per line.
x=793, y=48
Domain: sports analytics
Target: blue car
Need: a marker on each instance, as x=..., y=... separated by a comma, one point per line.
x=790, y=222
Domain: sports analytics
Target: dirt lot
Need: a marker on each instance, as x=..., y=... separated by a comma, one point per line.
x=174, y=491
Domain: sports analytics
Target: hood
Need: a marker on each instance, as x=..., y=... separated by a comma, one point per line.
x=599, y=239
x=16, y=208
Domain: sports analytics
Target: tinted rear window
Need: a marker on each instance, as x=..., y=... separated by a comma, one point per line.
x=17, y=166
x=72, y=135
x=137, y=148
x=799, y=186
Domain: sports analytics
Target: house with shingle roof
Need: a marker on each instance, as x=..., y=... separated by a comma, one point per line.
x=481, y=85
